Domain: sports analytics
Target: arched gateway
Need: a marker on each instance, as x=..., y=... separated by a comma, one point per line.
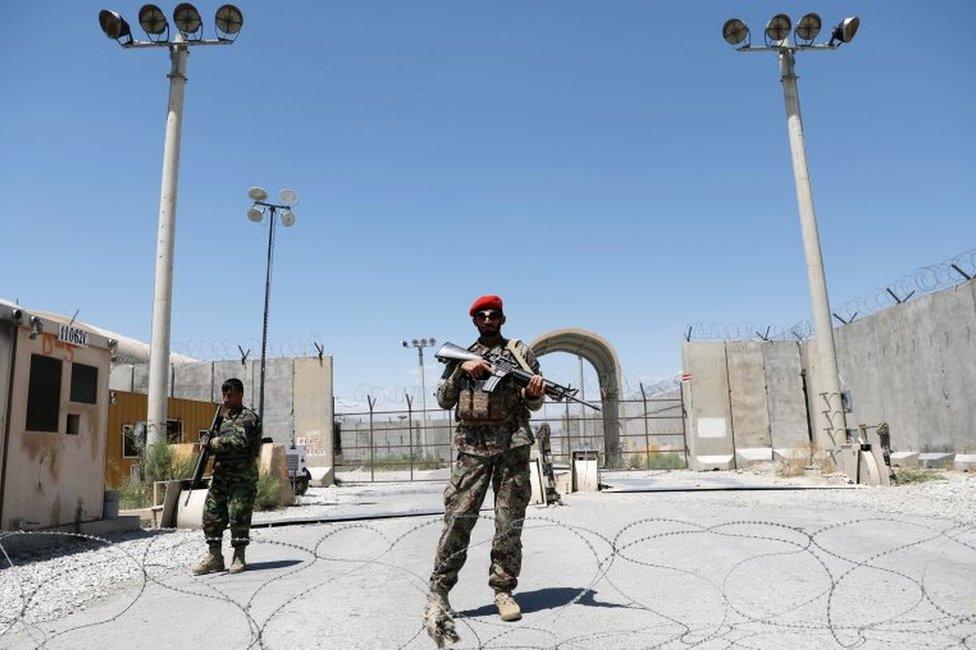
x=598, y=351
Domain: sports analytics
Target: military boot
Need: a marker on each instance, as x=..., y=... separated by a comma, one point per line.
x=438, y=620
x=212, y=562
x=508, y=609
x=238, y=564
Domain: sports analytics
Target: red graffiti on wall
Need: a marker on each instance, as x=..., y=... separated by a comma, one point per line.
x=49, y=344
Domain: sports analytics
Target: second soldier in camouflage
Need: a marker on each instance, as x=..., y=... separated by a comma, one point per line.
x=233, y=488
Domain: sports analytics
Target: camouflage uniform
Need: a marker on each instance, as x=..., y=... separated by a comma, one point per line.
x=234, y=485
x=496, y=454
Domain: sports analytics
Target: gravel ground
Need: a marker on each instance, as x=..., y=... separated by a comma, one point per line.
x=48, y=585
x=59, y=581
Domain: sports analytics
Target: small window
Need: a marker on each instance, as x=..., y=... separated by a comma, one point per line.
x=44, y=394
x=174, y=431
x=130, y=444
x=84, y=383
x=74, y=424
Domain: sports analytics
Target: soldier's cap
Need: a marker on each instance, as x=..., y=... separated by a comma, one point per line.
x=490, y=301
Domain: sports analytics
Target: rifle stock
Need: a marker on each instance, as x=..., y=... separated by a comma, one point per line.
x=204, y=456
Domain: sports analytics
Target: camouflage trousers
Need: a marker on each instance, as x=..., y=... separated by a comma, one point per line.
x=508, y=474
x=229, y=501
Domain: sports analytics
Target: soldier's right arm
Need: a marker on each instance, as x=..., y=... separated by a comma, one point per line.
x=450, y=389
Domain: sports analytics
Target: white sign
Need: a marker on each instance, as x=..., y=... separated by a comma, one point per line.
x=712, y=428
x=73, y=335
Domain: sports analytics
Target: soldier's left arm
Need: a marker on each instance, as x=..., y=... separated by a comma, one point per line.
x=530, y=358
x=241, y=433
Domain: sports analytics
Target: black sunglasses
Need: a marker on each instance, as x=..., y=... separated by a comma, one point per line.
x=488, y=314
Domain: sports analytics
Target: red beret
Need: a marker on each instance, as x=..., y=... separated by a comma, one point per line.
x=486, y=302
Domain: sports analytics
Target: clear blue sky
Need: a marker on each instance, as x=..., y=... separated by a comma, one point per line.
x=607, y=165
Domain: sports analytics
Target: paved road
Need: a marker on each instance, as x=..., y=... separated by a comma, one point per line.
x=705, y=570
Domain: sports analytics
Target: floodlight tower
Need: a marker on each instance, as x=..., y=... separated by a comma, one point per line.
x=420, y=344
x=256, y=213
x=777, y=39
x=189, y=25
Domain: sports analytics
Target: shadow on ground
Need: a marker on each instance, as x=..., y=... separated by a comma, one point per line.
x=543, y=599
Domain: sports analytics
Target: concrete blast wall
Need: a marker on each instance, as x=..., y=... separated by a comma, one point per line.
x=297, y=399
x=744, y=399
x=709, y=432
x=914, y=366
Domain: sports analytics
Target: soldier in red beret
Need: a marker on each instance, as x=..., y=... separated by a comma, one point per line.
x=493, y=440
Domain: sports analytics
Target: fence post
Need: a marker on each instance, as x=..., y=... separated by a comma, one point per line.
x=410, y=432
x=372, y=447
x=684, y=420
x=647, y=438
x=569, y=436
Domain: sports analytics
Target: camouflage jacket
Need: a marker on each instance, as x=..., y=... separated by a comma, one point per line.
x=237, y=445
x=480, y=439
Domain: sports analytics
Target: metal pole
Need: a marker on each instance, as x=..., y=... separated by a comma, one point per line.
x=410, y=432
x=372, y=448
x=647, y=437
x=166, y=234
x=267, y=300
x=828, y=377
x=423, y=404
x=582, y=397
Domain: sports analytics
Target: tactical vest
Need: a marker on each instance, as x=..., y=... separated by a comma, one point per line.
x=502, y=405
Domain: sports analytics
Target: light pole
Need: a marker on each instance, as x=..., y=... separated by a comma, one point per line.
x=777, y=39
x=256, y=213
x=228, y=21
x=420, y=344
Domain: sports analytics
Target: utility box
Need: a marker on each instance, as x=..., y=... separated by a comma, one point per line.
x=586, y=472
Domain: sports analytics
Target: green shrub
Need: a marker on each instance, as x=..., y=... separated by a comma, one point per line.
x=909, y=475
x=156, y=463
x=268, y=489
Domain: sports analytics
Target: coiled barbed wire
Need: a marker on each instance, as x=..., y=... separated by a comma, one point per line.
x=229, y=349
x=625, y=561
x=927, y=279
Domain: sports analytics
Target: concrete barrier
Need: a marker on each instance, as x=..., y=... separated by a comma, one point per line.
x=709, y=432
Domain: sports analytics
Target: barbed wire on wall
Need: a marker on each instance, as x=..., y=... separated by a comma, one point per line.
x=927, y=279
x=235, y=349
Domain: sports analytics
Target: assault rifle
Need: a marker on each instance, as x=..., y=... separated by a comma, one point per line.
x=502, y=367
x=204, y=456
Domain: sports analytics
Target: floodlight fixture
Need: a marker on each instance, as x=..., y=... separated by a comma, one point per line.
x=257, y=194
x=734, y=31
x=287, y=218
x=114, y=25
x=778, y=27
x=415, y=342
x=229, y=20
x=405, y=344
x=432, y=341
x=187, y=19
x=153, y=21
x=845, y=30
x=255, y=214
x=808, y=28
x=288, y=197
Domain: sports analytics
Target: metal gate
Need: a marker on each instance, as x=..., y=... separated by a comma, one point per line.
x=395, y=445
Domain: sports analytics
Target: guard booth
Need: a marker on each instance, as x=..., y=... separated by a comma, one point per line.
x=53, y=413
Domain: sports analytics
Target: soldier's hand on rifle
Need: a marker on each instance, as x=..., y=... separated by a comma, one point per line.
x=535, y=388
x=479, y=369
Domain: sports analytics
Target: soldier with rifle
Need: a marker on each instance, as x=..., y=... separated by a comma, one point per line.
x=493, y=440
x=234, y=440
